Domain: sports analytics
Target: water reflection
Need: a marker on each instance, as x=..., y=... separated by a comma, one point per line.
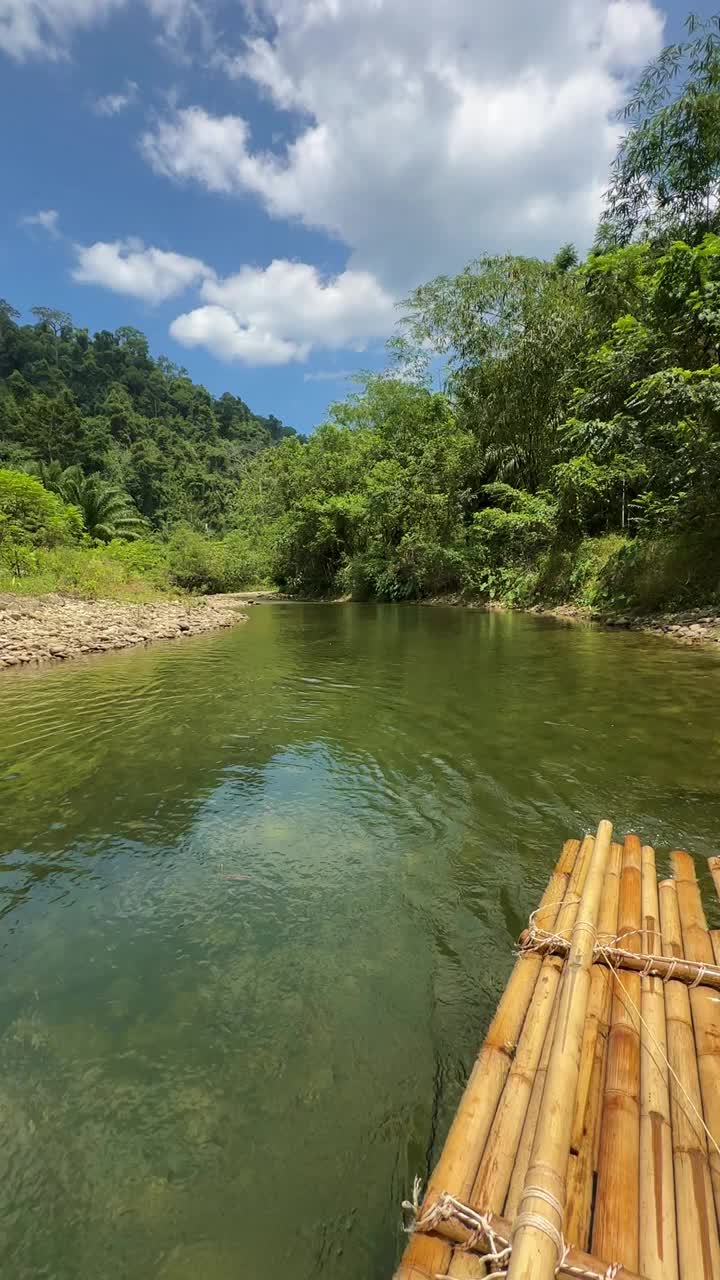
x=259, y=893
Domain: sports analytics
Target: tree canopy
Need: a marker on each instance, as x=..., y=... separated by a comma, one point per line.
x=102, y=403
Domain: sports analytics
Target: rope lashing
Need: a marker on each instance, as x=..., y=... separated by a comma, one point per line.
x=498, y=1247
x=536, y=939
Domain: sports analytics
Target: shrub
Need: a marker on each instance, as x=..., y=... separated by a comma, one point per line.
x=661, y=573
x=83, y=571
x=195, y=562
x=145, y=558
x=31, y=515
x=198, y=563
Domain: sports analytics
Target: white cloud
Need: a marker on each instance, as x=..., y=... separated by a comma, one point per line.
x=220, y=333
x=111, y=104
x=40, y=28
x=44, y=28
x=424, y=134
x=47, y=219
x=127, y=266
x=280, y=313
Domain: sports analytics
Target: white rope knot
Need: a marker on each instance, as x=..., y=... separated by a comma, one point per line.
x=535, y=1220
x=413, y=1207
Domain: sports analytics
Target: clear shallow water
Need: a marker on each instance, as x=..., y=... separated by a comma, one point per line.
x=205, y=1077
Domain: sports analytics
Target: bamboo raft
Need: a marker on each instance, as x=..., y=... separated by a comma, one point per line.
x=587, y=1142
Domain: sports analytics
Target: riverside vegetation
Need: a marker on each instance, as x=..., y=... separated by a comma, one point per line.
x=573, y=454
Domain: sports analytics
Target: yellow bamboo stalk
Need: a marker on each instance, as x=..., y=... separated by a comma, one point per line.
x=599, y=1004
x=607, y=924
x=588, y=1103
x=496, y=1167
x=658, y=1237
x=582, y=1163
x=697, y=1234
x=522, y=1160
x=714, y=865
x=426, y=1256
x=703, y=1003
x=615, y=1231
x=489, y=1189
x=535, y=1252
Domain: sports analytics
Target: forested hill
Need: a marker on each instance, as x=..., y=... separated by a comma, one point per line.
x=104, y=404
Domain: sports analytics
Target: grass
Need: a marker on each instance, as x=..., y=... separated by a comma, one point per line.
x=90, y=573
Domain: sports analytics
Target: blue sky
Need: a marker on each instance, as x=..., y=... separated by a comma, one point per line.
x=255, y=185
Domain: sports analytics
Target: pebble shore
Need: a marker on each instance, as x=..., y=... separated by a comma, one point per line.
x=41, y=628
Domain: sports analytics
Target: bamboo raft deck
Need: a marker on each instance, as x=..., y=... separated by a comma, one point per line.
x=587, y=1142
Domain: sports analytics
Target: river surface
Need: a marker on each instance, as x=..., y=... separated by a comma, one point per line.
x=259, y=893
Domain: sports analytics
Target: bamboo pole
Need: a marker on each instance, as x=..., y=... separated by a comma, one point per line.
x=426, y=1256
x=704, y=1005
x=616, y=1223
x=697, y=1234
x=522, y=1159
x=606, y=924
x=578, y=1261
x=588, y=1103
x=600, y=1002
x=493, y=1178
x=582, y=1163
x=658, y=1237
x=655, y=966
x=714, y=865
x=535, y=1253
x=491, y=1183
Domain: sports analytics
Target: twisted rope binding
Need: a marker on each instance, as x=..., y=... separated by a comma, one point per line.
x=499, y=1248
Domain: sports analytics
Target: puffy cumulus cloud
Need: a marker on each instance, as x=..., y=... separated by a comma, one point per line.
x=47, y=219
x=423, y=134
x=127, y=266
x=277, y=314
x=44, y=28
x=220, y=333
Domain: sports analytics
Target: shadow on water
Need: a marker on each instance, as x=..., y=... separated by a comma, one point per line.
x=259, y=894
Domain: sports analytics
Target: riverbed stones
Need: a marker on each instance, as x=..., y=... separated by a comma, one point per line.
x=38, y=628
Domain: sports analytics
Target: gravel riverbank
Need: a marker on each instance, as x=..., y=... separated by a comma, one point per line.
x=39, y=628
x=687, y=626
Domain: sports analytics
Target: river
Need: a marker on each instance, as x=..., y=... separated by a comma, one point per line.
x=259, y=894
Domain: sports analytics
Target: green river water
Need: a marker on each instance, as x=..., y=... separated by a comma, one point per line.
x=208, y=1077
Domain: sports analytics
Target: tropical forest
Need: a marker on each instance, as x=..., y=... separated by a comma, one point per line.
x=545, y=430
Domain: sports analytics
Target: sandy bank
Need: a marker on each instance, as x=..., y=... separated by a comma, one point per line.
x=37, y=628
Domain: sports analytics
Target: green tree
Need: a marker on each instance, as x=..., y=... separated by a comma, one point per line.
x=666, y=174
x=31, y=516
x=511, y=330
x=107, y=511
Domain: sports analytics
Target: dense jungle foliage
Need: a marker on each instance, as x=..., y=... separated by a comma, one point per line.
x=573, y=452
x=131, y=443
